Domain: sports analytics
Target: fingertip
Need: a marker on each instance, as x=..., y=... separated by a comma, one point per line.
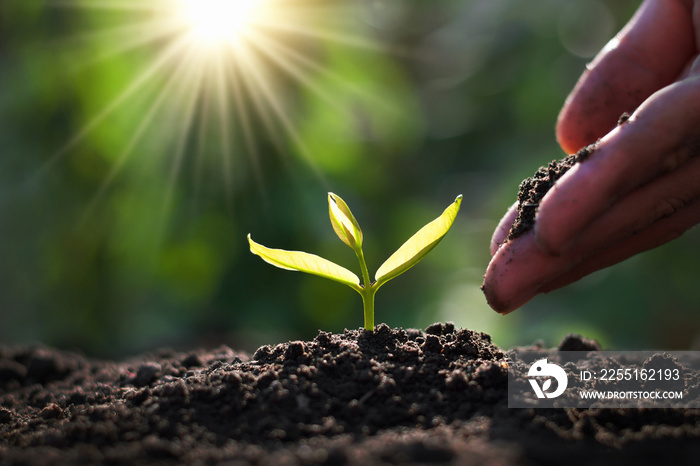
x=500, y=298
x=492, y=286
x=573, y=130
x=509, y=282
x=493, y=297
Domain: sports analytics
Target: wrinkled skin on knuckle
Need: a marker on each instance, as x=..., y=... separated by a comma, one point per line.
x=668, y=206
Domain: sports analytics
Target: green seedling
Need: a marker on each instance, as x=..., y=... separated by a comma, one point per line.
x=348, y=230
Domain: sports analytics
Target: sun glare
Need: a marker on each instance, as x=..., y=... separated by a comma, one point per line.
x=216, y=82
x=217, y=22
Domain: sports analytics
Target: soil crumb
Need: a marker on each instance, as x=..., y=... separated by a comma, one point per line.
x=533, y=189
x=388, y=397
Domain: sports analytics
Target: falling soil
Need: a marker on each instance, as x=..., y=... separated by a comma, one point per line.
x=393, y=396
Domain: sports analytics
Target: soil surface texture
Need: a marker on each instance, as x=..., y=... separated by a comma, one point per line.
x=387, y=397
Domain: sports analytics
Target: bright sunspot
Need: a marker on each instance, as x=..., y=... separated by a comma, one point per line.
x=217, y=22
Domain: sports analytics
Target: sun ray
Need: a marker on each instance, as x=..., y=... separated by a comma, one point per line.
x=246, y=128
x=138, y=133
x=284, y=59
x=117, y=5
x=222, y=103
x=228, y=65
x=202, y=139
x=122, y=39
x=285, y=55
x=250, y=78
x=190, y=93
x=277, y=110
x=325, y=35
x=133, y=87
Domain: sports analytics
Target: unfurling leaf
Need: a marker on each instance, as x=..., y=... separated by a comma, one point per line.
x=305, y=262
x=343, y=222
x=418, y=245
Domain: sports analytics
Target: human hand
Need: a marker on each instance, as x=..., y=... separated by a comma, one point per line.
x=641, y=186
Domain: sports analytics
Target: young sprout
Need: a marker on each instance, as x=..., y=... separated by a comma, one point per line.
x=348, y=230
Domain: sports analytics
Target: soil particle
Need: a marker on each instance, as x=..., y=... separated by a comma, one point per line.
x=573, y=342
x=391, y=396
x=146, y=374
x=533, y=189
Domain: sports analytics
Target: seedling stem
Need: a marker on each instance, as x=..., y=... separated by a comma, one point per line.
x=368, y=291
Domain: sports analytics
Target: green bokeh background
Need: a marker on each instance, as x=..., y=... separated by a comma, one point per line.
x=116, y=242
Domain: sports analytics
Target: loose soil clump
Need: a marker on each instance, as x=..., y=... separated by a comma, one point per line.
x=391, y=396
x=533, y=189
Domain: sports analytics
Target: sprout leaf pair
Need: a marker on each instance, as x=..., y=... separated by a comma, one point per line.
x=348, y=230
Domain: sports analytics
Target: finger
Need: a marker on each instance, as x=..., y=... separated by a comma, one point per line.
x=504, y=294
x=648, y=217
x=673, y=210
x=517, y=271
x=500, y=234
x=658, y=138
x=648, y=54
x=659, y=233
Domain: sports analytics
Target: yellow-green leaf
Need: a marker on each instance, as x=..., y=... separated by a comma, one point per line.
x=305, y=262
x=343, y=222
x=418, y=245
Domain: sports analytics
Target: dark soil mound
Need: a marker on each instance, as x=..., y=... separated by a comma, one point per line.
x=390, y=397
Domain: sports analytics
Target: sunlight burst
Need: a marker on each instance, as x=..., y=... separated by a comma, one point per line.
x=217, y=22
x=211, y=78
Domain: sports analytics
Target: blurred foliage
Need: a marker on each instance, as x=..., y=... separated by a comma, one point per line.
x=124, y=208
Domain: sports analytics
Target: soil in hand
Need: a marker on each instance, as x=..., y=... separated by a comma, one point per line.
x=532, y=190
